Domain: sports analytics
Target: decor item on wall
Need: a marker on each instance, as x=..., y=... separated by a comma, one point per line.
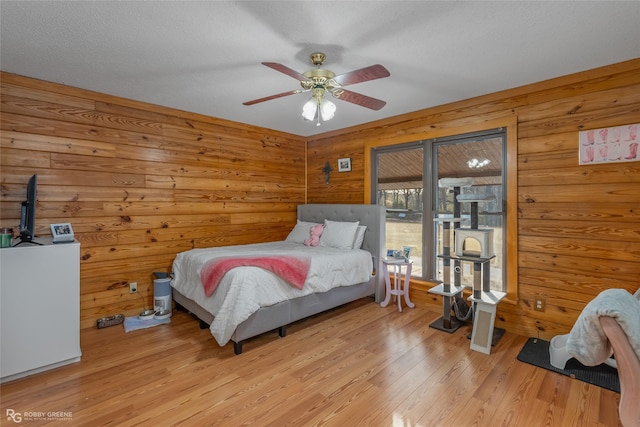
x=326, y=170
x=62, y=233
x=344, y=165
x=607, y=145
x=319, y=82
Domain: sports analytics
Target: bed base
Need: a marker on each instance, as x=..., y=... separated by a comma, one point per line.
x=279, y=315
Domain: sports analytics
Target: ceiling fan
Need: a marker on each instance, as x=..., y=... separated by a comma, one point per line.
x=319, y=81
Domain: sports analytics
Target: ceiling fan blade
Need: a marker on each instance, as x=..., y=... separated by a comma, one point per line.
x=362, y=75
x=362, y=100
x=269, y=98
x=286, y=70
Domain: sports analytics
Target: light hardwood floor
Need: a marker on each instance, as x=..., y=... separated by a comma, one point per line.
x=358, y=365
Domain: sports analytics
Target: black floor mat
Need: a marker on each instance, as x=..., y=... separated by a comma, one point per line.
x=536, y=352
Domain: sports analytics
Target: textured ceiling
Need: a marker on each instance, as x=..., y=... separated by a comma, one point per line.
x=204, y=57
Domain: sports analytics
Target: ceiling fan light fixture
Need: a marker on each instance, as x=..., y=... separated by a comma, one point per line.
x=477, y=164
x=327, y=109
x=309, y=109
x=318, y=107
x=322, y=82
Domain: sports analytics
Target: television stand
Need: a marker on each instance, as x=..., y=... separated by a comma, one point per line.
x=27, y=241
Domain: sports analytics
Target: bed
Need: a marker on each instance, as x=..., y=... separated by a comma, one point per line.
x=250, y=300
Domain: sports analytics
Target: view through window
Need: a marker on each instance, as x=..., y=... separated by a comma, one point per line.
x=406, y=181
x=400, y=185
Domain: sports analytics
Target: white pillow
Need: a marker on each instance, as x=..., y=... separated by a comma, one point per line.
x=300, y=232
x=357, y=243
x=339, y=235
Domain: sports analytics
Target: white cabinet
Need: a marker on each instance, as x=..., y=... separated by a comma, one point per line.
x=39, y=307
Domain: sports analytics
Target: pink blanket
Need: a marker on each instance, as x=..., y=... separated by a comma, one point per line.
x=291, y=269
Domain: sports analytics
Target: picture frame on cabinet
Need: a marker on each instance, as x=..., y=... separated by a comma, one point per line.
x=344, y=164
x=62, y=233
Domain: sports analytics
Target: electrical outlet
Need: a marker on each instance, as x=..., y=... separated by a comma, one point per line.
x=133, y=287
x=540, y=304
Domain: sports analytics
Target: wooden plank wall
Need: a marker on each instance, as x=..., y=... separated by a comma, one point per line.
x=343, y=187
x=578, y=226
x=140, y=183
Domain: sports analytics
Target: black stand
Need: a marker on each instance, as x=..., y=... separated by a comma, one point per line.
x=449, y=326
x=27, y=240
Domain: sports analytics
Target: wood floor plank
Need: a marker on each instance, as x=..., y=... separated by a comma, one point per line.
x=357, y=365
x=516, y=395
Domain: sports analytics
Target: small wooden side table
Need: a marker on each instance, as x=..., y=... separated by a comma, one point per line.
x=394, y=266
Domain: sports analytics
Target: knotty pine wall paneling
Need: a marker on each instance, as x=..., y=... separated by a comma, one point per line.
x=140, y=183
x=343, y=187
x=578, y=226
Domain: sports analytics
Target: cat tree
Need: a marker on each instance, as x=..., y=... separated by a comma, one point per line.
x=445, y=288
x=473, y=245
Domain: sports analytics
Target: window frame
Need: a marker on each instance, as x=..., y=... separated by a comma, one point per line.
x=510, y=170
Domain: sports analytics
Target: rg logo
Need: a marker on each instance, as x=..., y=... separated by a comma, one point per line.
x=16, y=417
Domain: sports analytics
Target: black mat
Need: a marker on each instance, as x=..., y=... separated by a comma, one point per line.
x=536, y=352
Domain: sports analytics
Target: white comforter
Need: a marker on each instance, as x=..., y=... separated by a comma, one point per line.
x=242, y=291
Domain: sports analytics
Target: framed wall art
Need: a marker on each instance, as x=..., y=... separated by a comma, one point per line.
x=344, y=165
x=609, y=145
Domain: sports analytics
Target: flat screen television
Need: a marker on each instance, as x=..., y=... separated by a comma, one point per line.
x=28, y=213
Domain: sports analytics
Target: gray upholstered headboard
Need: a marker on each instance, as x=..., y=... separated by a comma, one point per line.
x=373, y=216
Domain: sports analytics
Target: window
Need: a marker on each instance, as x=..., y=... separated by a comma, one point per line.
x=406, y=181
x=400, y=184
